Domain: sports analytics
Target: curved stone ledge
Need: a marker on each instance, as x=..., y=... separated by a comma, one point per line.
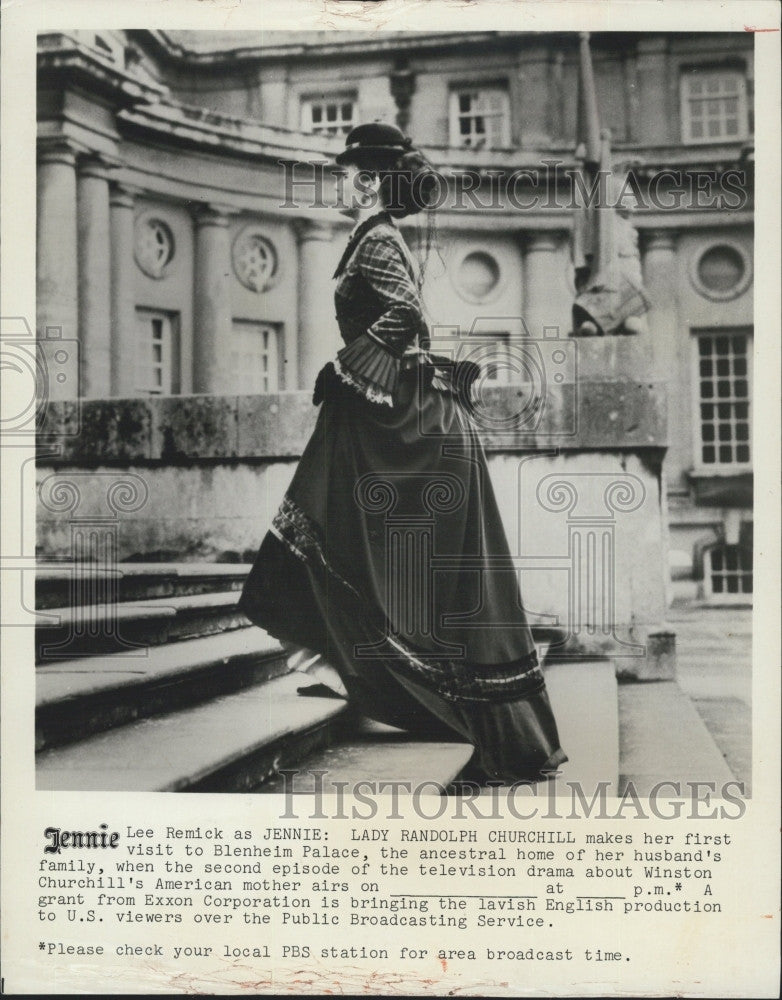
x=595, y=415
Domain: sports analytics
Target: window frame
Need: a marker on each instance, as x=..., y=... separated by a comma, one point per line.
x=170, y=351
x=306, y=102
x=685, y=97
x=723, y=597
x=456, y=90
x=701, y=468
x=275, y=365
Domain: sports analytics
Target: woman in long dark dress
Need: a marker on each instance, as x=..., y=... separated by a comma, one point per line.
x=386, y=555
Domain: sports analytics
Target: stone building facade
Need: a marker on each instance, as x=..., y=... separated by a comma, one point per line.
x=169, y=249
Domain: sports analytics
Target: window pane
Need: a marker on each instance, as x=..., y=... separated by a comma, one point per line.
x=726, y=454
x=742, y=453
x=708, y=454
x=739, y=345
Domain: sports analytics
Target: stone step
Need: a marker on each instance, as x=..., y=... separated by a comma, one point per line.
x=375, y=753
x=59, y=585
x=663, y=738
x=583, y=696
x=231, y=744
x=88, y=629
x=729, y=721
x=75, y=698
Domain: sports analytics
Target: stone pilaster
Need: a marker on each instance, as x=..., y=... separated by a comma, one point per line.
x=543, y=283
x=658, y=250
x=318, y=337
x=123, y=298
x=212, y=318
x=670, y=345
x=94, y=276
x=56, y=252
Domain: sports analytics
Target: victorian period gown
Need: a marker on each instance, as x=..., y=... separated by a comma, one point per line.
x=386, y=554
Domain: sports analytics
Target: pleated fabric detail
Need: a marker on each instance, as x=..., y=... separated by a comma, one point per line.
x=367, y=365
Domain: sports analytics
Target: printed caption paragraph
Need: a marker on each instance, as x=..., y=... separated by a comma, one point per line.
x=281, y=893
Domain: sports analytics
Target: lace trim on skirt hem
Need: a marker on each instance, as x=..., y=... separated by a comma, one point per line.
x=453, y=679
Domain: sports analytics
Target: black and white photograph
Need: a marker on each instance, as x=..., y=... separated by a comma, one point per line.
x=405, y=425
x=390, y=458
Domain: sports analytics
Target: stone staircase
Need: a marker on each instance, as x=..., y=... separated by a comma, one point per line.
x=150, y=679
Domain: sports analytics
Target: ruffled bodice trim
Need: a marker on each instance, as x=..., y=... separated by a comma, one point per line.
x=369, y=367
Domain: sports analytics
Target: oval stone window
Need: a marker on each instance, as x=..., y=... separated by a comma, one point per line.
x=154, y=246
x=722, y=271
x=479, y=275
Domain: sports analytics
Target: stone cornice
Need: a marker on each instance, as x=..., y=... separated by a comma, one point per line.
x=63, y=60
x=341, y=44
x=358, y=43
x=208, y=131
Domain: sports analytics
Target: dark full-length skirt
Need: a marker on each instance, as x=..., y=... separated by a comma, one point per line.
x=389, y=558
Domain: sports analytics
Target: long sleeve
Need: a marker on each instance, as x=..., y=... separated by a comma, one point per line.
x=371, y=362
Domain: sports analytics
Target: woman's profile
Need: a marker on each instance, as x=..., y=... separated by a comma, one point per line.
x=386, y=554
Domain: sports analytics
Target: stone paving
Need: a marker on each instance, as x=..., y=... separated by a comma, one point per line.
x=714, y=667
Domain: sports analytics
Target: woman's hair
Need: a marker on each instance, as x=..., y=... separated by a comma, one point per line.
x=408, y=187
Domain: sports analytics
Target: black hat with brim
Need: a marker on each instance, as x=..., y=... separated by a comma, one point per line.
x=373, y=146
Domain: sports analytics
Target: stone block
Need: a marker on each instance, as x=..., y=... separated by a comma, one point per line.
x=275, y=426
x=659, y=662
x=97, y=430
x=196, y=427
x=258, y=425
